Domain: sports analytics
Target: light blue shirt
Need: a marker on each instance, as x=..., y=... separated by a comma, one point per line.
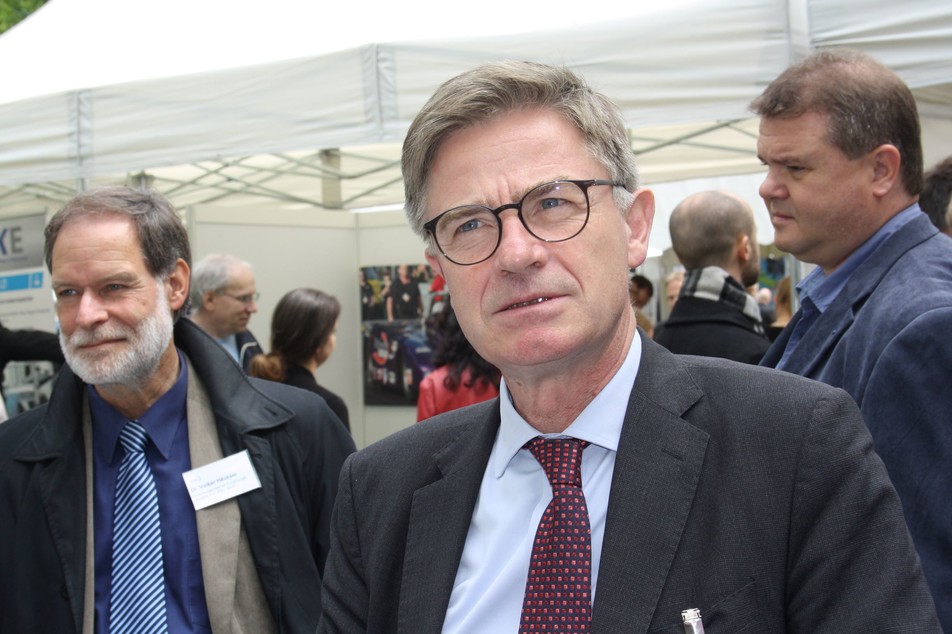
x=491, y=580
x=818, y=290
x=230, y=343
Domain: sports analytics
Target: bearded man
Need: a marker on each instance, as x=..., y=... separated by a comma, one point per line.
x=108, y=524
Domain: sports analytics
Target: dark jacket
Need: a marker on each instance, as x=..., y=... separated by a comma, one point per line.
x=886, y=340
x=711, y=329
x=752, y=495
x=296, y=446
x=28, y=345
x=302, y=378
x=248, y=347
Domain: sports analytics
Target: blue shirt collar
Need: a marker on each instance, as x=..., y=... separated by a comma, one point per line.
x=822, y=289
x=108, y=422
x=599, y=423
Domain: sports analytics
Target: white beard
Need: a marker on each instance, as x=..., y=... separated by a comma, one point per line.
x=138, y=358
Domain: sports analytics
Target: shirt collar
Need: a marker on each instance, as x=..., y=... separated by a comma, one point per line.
x=822, y=289
x=160, y=420
x=230, y=343
x=599, y=423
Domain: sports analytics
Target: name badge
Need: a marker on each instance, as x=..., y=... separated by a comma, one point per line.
x=221, y=480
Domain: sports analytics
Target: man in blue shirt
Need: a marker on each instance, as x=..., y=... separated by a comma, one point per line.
x=252, y=560
x=224, y=298
x=839, y=135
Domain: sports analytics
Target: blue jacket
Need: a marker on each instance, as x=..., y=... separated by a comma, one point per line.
x=887, y=340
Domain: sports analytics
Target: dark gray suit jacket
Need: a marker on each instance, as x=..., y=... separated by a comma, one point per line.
x=750, y=494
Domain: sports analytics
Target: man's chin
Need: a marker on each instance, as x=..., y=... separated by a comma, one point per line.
x=94, y=369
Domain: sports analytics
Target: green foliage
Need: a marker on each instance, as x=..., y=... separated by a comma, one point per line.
x=12, y=11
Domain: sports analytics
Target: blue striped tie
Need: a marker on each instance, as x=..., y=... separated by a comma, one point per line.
x=137, y=602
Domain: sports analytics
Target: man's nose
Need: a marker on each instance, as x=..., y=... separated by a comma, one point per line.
x=771, y=187
x=518, y=249
x=91, y=310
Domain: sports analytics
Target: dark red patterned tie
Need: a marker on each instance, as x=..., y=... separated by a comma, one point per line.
x=559, y=589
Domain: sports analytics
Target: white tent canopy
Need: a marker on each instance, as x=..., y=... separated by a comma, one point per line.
x=306, y=103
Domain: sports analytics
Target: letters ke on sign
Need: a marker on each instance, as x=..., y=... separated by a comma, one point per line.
x=21, y=242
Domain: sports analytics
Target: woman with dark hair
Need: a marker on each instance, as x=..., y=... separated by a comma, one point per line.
x=461, y=377
x=303, y=336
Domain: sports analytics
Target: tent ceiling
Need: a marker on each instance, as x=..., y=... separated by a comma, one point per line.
x=300, y=111
x=368, y=176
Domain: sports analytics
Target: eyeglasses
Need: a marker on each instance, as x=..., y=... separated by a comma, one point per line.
x=244, y=299
x=552, y=212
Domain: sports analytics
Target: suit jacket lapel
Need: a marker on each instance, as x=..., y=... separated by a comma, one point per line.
x=818, y=342
x=224, y=549
x=439, y=522
x=657, y=469
x=775, y=351
x=218, y=526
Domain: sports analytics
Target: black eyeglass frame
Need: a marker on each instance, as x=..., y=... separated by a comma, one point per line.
x=430, y=226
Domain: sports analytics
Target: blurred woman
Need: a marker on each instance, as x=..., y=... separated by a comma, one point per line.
x=303, y=336
x=782, y=309
x=461, y=377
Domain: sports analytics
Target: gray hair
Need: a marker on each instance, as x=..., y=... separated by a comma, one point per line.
x=493, y=90
x=162, y=236
x=213, y=274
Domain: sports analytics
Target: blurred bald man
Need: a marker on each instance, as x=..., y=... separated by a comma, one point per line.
x=714, y=236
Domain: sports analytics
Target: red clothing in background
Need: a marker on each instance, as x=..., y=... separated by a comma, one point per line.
x=435, y=398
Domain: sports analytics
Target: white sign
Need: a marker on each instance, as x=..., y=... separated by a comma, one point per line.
x=221, y=480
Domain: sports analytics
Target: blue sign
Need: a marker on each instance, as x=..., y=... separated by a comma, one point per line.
x=21, y=282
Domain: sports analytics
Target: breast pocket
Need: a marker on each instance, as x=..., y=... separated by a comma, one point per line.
x=737, y=613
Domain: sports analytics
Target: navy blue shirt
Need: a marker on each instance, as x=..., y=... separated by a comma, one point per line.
x=168, y=455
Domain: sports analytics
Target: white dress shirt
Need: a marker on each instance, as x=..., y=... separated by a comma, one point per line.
x=491, y=580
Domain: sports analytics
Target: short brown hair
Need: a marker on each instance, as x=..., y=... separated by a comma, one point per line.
x=866, y=104
x=162, y=236
x=496, y=89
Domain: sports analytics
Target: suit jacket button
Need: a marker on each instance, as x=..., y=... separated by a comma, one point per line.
x=64, y=592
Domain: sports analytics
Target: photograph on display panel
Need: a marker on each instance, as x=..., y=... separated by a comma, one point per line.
x=396, y=301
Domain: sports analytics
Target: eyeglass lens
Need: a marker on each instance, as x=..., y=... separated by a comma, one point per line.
x=552, y=212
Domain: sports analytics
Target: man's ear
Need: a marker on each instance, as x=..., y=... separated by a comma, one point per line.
x=434, y=262
x=742, y=248
x=639, y=217
x=886, y=162
x=208, y=301
x=177, y=285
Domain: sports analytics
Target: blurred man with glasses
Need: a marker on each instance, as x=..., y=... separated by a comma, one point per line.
x=224, y=299
x=612, y=486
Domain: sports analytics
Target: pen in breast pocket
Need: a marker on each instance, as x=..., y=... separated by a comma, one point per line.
x=692, y=621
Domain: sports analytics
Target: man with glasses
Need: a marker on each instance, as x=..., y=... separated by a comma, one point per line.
x=224, y=298
x=159, y=489
x=612, y=486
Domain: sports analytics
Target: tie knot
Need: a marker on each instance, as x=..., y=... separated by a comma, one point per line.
x=133, y=437
x=561, y=459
